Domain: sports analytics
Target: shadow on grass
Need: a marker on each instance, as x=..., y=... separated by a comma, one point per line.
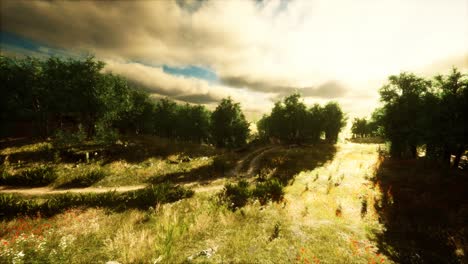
x=131, y=150
x=285, y=162
x=424, y=209
x=367, y=140
x=14, y=205
x=280, y=162
x=219, y=168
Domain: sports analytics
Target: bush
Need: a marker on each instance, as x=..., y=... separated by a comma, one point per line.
x=271, y=189
x=236, y=195
x=84, y=179
x=40, y=176
x=12, y=205
x=66, y=139
x=150, y=196
x=106, y=135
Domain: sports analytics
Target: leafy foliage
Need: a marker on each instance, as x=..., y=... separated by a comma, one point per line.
x=228, y=125
x=236, y=195
x=39, y=176
x=271, y=189
x=150, y=196
x=419, y=112
x=290, y=121
x=73, y=99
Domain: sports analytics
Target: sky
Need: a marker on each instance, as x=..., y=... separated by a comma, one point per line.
x=257, y=52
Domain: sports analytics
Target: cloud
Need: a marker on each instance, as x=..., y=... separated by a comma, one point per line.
x=329, y=90
x=157, y=82
x=258, y=49
x=198, y=98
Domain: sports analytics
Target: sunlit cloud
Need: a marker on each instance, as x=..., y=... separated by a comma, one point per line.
x=324, y=49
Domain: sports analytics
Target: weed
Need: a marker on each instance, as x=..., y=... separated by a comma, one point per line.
x=236, y=195
x=64, y=139
x=271, y=189
x=339, y=211
x=363, y=206
x=276, y=231
x=329, y=187
x=316, y=177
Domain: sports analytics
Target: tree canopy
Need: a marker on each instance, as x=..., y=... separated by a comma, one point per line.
x=419, y=112
x=290, y=121
x=229, y=127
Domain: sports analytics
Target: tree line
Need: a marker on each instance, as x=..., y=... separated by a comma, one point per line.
x=429, y=114
x=363, y=128
x=55, y=95
x=291, y=121
x=43, y=97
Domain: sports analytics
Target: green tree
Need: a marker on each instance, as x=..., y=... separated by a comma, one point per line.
x=228, y=125
x=403, y=106
x=334, y=121
x=453, y=114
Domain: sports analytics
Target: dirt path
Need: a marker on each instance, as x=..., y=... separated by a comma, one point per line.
x=248, y=165
x=48, y=190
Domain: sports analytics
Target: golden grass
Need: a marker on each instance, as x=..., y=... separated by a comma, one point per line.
x=304, y=229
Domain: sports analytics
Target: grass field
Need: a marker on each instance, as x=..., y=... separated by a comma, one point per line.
x=327, y=214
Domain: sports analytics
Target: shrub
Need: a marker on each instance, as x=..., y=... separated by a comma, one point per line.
x=12, y=205
x=236, y=195
x=163, y=193
x=84, y=179
x=66, y=139
x=106, y=135
x=40, y=176
x=271, y=189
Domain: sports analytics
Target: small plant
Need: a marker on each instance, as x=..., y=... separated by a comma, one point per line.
x=329, y=187
x=316, y=177
x=106, y=135
x=64, y=138
x=271, y=189
x=12, y=205
x=363, y=207
x=236, y=195
x=339, y=211
x=40, y=176
x=276, y=231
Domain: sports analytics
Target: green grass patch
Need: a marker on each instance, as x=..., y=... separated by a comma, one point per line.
x=37, y=176
x=13, y=205
x=83, y=179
